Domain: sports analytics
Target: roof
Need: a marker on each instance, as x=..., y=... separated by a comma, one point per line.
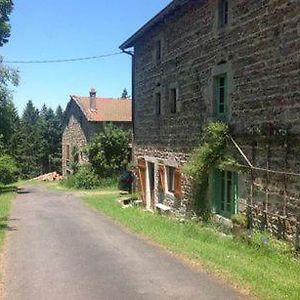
x=174, y=5
x=107, y=109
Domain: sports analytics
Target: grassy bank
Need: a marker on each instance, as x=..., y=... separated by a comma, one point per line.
x=263, y=270
x=5, y=206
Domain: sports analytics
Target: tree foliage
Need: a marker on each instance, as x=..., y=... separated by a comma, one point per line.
x=108, y=151
x=6, y=7
x=206, y=156
x=37, y=142
x=8, y=169
x=124, y=94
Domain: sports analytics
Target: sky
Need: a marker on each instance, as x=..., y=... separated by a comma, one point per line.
x=63, y=29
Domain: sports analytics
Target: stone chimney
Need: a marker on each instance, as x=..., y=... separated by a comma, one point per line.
x=93, y=94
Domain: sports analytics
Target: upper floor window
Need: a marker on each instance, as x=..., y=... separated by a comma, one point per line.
x=158, y=51
x=158, y=103
x=173, y=100
x=221, y=95
x=223, y=12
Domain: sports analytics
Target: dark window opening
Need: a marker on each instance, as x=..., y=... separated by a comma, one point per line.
x=68, y=152
x=173, y=101
x=158, y=51
x=158, y=103
x=221, y=95
x=223, y=12
x=170, y=178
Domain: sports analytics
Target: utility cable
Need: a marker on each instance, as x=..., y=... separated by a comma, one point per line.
x=52, y=61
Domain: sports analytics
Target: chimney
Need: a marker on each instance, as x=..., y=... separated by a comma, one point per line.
x=93, y=94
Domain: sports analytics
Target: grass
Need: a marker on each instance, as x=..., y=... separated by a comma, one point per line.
x=262, y=271
x=5, y=205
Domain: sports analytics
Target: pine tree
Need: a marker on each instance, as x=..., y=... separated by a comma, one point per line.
x=124, y=94
x=30, y=143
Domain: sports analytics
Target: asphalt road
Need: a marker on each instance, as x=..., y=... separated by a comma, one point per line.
x=58, y=248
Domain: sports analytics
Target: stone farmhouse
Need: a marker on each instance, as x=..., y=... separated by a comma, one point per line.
x=232, y=60
x=85, y=117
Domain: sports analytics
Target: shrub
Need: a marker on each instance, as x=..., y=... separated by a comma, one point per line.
x=68, y=181
x=8, y=170
x=108, y=182
x=240, y=220
x=108, y=151
x=85, y=178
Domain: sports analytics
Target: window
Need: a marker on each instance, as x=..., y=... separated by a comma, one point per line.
x=173, y=101
x=68, y=152
x=170, y=179
x=225, y=192
x=158, y=51
x=221, y=95
x=158, y=103
x=223, y=12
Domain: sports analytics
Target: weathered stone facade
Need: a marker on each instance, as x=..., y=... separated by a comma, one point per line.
x=258, y=50
x=78, y=131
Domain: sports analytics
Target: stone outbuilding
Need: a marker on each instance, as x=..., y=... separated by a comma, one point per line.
x=85, y=117
x=231, y=60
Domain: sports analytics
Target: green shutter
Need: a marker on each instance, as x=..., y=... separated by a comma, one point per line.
x=225, y=192
x=221, y=96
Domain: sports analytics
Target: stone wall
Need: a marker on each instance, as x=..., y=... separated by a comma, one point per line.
x=259, y=50
x=78, y=131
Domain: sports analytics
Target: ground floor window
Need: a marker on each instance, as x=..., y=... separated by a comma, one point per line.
x=225, y=192
x=170, y=179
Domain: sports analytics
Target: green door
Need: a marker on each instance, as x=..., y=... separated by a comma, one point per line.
x=225, y=192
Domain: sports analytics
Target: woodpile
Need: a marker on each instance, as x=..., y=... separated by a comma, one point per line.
x=54, y=176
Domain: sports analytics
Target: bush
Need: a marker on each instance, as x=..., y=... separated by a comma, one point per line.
x=108, y=151
x=108, y=182
x=68, y=181
x=86, y=179
x=240, y=220
x=8, y=170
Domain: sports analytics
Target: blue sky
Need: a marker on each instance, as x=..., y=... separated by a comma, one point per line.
x=58, y=29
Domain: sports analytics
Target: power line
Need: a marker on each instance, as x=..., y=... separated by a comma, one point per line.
x=53, y=61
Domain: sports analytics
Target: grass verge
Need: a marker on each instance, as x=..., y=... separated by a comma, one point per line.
x=5, y=205
x=262, y=271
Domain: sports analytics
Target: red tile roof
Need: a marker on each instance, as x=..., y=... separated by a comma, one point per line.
x=107, y=109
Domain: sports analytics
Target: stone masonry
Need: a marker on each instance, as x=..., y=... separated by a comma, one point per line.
x=259, y=50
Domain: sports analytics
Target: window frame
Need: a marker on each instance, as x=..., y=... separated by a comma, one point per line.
x=158, y=51
x=173, y=100
x=225, y=192
x=170, y=174
x=219, y=99
x=68, y=153
x=223, y=13
x=158, y=103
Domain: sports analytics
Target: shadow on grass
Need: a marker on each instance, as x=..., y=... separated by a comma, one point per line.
x=6, y=227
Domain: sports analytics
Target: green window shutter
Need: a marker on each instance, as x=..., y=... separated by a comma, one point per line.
x=221, y=95
x=225, y=192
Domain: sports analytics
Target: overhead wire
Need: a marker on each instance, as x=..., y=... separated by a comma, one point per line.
x=52, y=61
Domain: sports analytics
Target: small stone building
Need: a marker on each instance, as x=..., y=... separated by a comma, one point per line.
x=85, y=117
x=232, y=60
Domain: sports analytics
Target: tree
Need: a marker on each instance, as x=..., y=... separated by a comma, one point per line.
x=108, y=151
x=124, y=94
x=8, y=169
x=30, y=141
x=6, y=7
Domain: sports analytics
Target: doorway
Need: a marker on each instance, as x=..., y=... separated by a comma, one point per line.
x=150, y=185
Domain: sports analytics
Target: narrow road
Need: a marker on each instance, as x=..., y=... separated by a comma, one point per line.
x=59, y=248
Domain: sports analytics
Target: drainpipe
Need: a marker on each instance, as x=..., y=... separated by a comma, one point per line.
x=131, y=53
